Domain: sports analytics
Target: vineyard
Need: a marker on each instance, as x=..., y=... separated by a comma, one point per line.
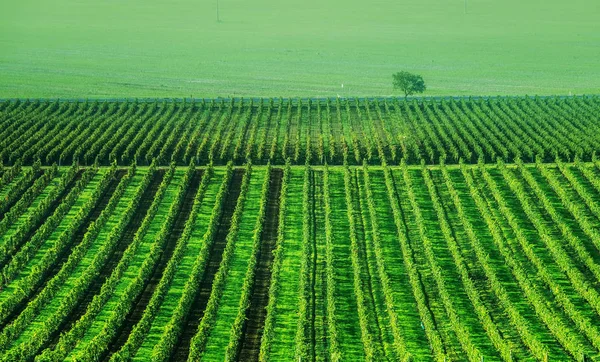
x=300, y=230
x=318, y=132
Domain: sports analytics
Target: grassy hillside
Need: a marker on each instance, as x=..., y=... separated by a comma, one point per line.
x=69, y=48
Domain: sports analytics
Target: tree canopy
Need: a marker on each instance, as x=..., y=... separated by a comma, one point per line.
x=409, y=83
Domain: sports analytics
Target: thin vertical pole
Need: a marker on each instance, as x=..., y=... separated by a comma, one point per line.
x=219, y=19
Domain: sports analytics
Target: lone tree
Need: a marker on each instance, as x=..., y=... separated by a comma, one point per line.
x=409, y=83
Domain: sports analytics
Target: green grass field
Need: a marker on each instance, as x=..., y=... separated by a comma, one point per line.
x=75, y=48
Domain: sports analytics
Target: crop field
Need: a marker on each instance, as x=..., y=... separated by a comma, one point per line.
x=296, y=230
x=297, y=48
x=326, y=131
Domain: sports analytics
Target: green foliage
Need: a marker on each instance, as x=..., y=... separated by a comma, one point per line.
x=469, y=259
x=240, y=318
x=268, y=331
x=140, y=330
x=525, y=231
x=48, y=293
x=325, y=131
x=408, y=83
x=171, y=333
x=210, y=313
x=41, y=215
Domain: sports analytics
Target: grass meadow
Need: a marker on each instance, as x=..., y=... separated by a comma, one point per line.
x=82, y=48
